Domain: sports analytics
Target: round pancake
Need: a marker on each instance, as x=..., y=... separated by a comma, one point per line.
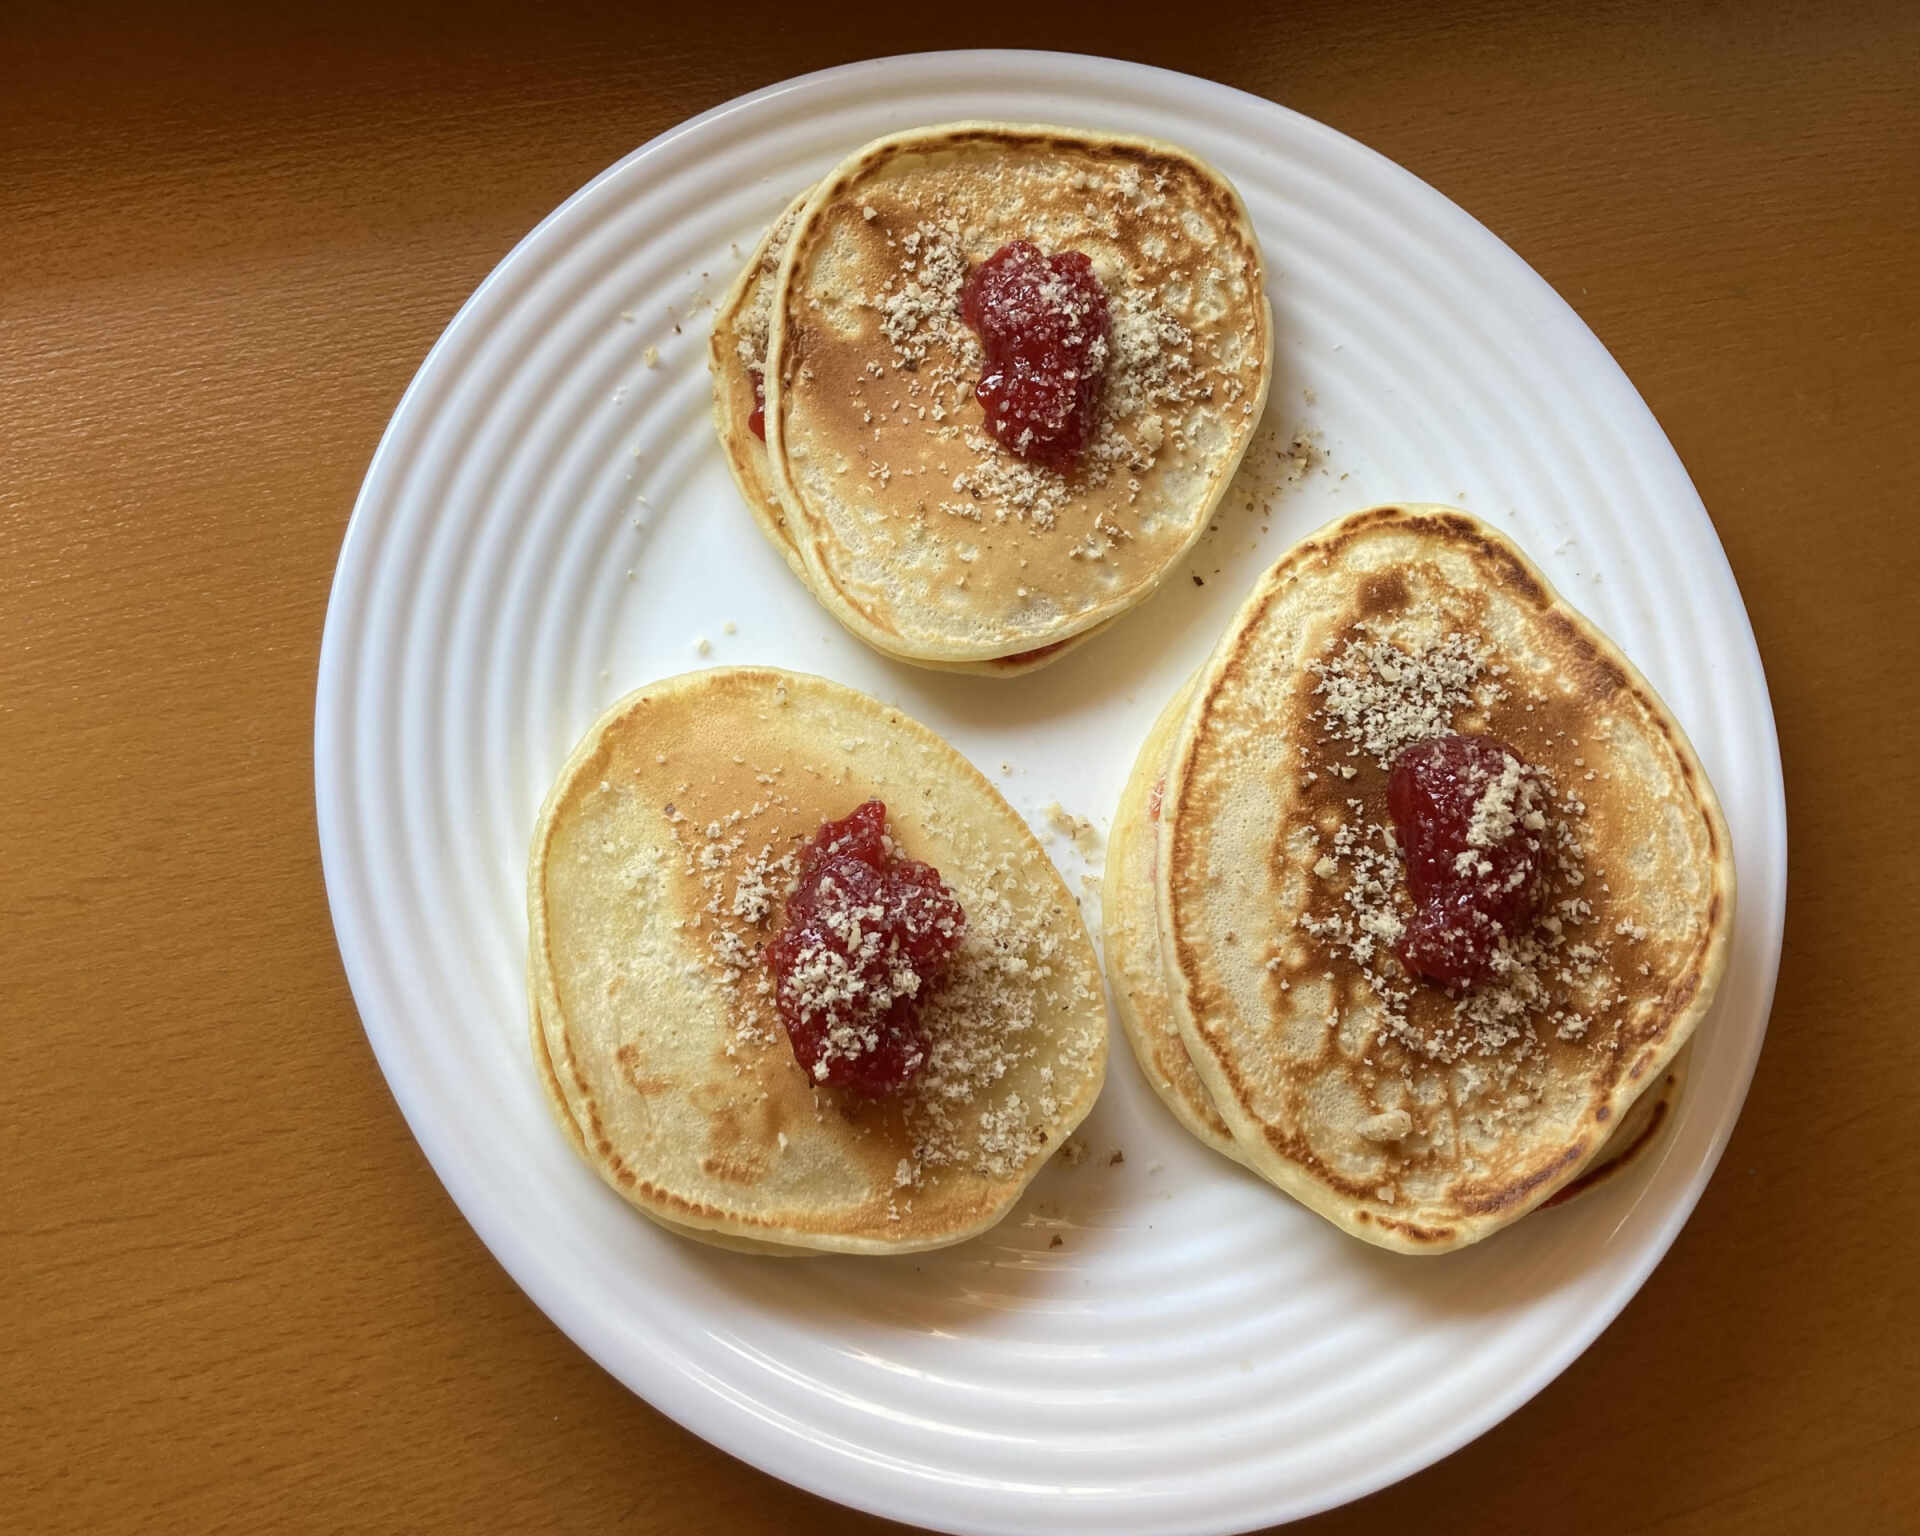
x=660, y=865
x=1131, y=942
x=922, y=534
x=736, y=349
x=1408, y=1118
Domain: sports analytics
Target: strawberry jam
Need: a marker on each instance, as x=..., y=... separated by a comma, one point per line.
x=1044, y=324
x=867, y=938
x=757, y=417
x=1471, y=819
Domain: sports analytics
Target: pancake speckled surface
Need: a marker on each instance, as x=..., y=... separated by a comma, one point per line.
x=1415, y=1119
x=923, y=535
x=660, y=866
x=1130, y=939
x=737, y=352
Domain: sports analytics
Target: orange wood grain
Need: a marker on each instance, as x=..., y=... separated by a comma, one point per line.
x=235, y=1296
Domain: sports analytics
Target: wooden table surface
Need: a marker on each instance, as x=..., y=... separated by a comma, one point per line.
x=233, y=1295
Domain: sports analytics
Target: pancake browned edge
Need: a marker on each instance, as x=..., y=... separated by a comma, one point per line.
x=576, y=1138
x=1130, y=940
x=1412, y=1119
x=736, y=350
x=1639, y=1131
x=923, y=535
x=660, y=867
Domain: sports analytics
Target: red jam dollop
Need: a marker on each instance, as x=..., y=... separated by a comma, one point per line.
x=757, y=417
x=1470, y=817
x=867, y=938
x=1044, y=323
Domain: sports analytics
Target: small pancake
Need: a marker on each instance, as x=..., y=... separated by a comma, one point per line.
x=660, y=866
x=737, y=349
x=922, y=534
x=1131, y=941
x=1409, y=1118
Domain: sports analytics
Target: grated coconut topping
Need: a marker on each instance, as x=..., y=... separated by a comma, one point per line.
x=1377, y=697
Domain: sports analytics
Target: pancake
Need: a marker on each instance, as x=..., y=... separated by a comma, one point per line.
x=737, y=350
x=921, y=534
x=1639, y=1130
x=661, y=864
x=1131, y=941
x=563, y=1117
x=1409, y=1118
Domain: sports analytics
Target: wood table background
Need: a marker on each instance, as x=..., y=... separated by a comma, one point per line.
x=233, y=1295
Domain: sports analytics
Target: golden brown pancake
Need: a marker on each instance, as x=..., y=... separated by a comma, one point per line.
x=1131, y=942
x=922, y=534
x=661, y=865
x=1412, y=1118
x=737, y=350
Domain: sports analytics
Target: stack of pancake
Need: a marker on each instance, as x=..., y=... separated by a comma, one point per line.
x=876, y=479
x=1252, y=875
x=661, y=865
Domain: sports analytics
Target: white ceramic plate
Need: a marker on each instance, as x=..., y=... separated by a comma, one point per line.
x=547, y=524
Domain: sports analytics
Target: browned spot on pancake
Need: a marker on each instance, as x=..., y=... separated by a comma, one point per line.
x=1288, y=1146
x=1597, y=1176
x=641, y=1083
x=1383, y=592
x=1594, y=674
x=615, y=1164
x=597, y=1133
x=1024, y=658
x=1513, y=573
x=1413, y=1230
x=1681, y=992
x=1519, y=1189
x=737, y=1169
x=683, y=1207
x=741, y=1127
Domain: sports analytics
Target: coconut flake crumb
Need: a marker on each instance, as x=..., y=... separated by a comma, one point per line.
x=1378, y=697
x=1076, y=829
